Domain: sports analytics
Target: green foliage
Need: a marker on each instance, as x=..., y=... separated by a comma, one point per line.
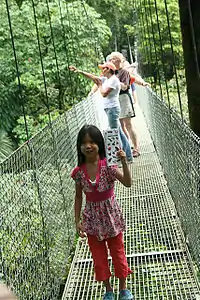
x=154, y=35
x=174, y=97
x=34, y=234
x=34, y=125
x=117, y=13
x=160, y=50
x=130, y=30
x=6, y=145
x=70, y=42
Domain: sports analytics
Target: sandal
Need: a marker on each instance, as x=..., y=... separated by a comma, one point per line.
x=125, y=295
x=136, y=153
x=109, y=296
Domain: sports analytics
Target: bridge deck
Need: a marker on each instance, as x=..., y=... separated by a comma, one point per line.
x=155, y=246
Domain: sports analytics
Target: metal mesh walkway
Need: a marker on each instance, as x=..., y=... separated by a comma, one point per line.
x=155, y=247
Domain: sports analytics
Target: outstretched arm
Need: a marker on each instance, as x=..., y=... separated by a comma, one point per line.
x=77, y=210
x=86, y=74
x=140, y=81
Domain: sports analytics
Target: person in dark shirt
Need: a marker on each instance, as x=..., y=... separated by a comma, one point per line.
x=127, y=110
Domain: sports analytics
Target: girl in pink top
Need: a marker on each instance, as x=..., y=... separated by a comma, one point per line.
x=102, y=221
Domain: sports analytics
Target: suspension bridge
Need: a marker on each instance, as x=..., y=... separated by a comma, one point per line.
x=40, y=256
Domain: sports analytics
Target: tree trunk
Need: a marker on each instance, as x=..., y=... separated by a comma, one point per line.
x=190, y=27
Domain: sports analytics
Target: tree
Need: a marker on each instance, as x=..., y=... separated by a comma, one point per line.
x=190, y=26
x=117, y=13
x=154, y=35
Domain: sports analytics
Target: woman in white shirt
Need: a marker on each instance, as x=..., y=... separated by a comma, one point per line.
x=109, y=87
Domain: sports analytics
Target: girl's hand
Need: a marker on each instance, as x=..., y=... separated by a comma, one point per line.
x=80, y=230
x=146, y=84
x=121, y=154
x=73, y=69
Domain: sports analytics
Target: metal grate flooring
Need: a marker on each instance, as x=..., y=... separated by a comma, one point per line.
x=155, y=246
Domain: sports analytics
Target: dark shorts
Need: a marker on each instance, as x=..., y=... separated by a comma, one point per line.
x=133, y=87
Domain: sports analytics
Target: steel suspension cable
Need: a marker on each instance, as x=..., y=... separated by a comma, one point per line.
x=155, y=49
x=95, y=38
x=58, y=71
x=148, y=31
x=162, y=52
x=55, y=54
x=29, y=143
x=41, y=60
x=50, y=121
x=73, y=49
x=17, y=70
x=174, y=62
x=143, y=33
x=135, y=33
x=66, y=50
x=78, y=43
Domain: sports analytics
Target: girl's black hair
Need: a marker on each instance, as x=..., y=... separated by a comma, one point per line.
x=96, y=136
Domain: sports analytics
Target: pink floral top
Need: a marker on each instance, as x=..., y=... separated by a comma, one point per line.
x=102, y=215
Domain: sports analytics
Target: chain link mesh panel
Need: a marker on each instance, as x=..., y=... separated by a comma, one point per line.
x=179, y=153
x=154, y=241
x=36, y=212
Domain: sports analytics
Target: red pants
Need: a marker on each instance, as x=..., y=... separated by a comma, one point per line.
x=99, y=250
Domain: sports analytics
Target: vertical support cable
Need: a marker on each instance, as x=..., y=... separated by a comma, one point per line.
x=145, y=46
x=55, y=54
x=17, y=70
x=77, y=35
x=155, y=49
x=161, y=49
x=41, y=60
x=66, y=51
x=96, y=39
x=148, y=31
x=129, y=48
x=174, y=62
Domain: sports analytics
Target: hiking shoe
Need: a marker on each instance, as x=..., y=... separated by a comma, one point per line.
x=109, y=296
x=136, y=153
x=125, y=295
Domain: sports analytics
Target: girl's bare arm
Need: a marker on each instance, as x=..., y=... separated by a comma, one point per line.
x=86, y=74
x=125, y=176
x=78, y=202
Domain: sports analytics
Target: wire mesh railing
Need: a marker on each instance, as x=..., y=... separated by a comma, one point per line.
x=37, y=232
x=154, y=242
x=178, y=149
x=36, y=212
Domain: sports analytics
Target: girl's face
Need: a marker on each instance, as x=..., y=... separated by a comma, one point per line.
x=89, y=148
x=105, y=71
